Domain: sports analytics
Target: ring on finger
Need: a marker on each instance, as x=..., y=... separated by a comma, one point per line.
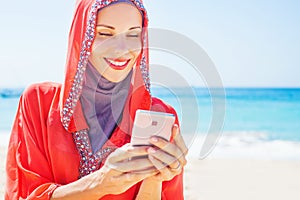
x=176, y=168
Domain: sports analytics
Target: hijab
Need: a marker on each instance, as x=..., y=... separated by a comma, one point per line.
x=81, y=37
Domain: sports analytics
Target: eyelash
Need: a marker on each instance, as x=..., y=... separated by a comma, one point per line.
x=135, y=36
x=109, y=35
x=105, y=34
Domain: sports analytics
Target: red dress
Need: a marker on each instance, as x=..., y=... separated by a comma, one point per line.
x=42, y=153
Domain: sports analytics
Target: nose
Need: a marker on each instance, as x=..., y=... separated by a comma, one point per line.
x=124, y=45
x=121, y=46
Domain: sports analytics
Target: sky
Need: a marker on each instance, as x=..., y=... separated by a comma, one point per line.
x=252, y=43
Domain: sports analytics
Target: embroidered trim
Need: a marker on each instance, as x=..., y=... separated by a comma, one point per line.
x=89, y=162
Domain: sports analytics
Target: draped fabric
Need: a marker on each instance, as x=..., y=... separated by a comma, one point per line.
x=102, y=103
x=42, y=154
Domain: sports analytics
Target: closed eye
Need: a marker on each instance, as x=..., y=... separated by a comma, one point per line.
x=133, y=35
x=105, y=34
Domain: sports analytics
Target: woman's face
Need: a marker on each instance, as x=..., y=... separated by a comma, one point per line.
x=118, y=41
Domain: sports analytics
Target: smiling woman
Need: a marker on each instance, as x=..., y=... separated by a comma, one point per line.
x=72, y=140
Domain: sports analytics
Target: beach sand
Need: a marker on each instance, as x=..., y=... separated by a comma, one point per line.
x=242, y=179
x=234, y=179
x=3, y=150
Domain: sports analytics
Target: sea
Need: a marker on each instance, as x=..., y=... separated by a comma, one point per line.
x=253, y=123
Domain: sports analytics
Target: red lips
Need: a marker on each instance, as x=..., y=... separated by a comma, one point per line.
x=117, y=64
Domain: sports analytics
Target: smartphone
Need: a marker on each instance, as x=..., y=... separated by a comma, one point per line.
x=149, y=123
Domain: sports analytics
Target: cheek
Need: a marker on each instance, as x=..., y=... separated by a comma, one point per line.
x=100, y=46
x=136, y=54
x=134, y=46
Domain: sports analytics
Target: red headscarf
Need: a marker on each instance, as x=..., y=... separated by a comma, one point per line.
x=81, y=37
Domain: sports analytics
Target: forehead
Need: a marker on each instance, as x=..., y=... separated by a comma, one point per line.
x=120, y=15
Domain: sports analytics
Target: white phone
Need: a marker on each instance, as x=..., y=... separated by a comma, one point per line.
x=149, y=123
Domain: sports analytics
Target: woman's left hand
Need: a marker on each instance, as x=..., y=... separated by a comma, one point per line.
x=168, y=157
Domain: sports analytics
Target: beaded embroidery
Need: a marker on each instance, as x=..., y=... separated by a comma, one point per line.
x=89, y=162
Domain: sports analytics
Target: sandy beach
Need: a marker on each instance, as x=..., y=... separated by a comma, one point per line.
x=234, y=179
x=3, y=150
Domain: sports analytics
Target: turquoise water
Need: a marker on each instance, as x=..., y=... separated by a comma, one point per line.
x=272, y=111
x=8, y=108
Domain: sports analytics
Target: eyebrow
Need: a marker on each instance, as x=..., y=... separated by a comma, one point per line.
x=113, y=28
x=135, y=27
x=107, y=26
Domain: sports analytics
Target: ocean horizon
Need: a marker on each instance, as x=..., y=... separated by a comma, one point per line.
x=259, y=122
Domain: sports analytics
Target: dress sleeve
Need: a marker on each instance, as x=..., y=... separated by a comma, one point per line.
x=28, y=172
x=173, y=189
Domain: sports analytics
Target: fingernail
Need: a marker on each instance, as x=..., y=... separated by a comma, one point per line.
x=151, y=150
x=176, y=126
x=154, y=139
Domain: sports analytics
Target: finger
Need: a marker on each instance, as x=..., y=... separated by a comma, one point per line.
x=175, y=130
x=170, y=148
x=157, y=163
x=162, y=156
x=149, y=170
x=131, y=165
x=127, y=152
x=176, y=167
x=133, y=177
x=115, y=172
x=164, y=171
x=179, y=141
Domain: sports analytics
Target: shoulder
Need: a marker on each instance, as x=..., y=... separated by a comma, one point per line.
x=161, y=106
x=41, y=95
x=41, y=90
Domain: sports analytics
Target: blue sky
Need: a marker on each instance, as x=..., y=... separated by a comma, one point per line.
x=252, y=43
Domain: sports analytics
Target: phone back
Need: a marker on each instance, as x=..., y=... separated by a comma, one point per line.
x=149, y=123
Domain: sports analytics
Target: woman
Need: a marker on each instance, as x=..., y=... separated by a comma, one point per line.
x=72, y=141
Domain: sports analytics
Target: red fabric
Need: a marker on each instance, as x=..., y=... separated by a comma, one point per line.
x=42, y=154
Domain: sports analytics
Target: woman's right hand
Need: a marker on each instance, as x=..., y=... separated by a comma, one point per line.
x=122, y=169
